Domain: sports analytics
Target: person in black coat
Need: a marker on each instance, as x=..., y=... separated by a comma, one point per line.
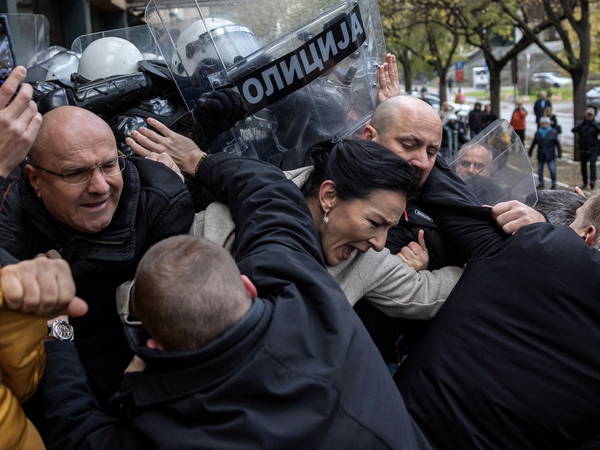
x=511, y=359
x=476, y=120
x=100, y=213
x=488, y=115
x=548, y=144
x=453, y=137
x=540, y=105
x=272, y=358
x=587, y=132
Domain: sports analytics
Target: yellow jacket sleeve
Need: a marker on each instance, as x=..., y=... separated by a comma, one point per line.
x=22, y=361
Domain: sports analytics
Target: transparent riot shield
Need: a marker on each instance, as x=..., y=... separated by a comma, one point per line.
x=30, y=34
x=139, y=36
x=306, y=70
x=494, y=163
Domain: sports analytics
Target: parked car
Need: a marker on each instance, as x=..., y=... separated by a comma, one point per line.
x=550, y=79
x=593, y=96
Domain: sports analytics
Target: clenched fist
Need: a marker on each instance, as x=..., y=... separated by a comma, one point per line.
x=41, y=286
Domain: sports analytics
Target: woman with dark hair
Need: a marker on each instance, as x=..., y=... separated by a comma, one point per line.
x=355, y=192
x=488, y=115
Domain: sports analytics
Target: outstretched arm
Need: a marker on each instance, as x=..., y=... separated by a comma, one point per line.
x=460, y=215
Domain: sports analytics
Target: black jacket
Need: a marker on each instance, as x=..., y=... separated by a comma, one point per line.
x=298, y=371
x=538, y=108
x=454, y=135
x=154, y=204
x=548, y=145
x=511, y=360
x=587, y=133
x=488, y=118
x=476, y=121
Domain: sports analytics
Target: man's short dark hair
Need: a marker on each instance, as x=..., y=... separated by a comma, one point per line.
x=187, y=292
x=559, y=207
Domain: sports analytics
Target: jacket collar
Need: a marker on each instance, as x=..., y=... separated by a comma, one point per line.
x=171, y=375
x=114, y=243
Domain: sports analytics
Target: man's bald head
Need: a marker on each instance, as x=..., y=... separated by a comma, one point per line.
x=474, y=159
x=74, y=169
x=410, y=128
x=62, y=128
x=393, y=109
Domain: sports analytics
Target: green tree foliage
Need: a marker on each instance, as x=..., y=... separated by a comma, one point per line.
x=571, y=20
x=420, y=44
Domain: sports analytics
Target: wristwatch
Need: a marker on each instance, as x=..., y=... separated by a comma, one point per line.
x=61, y=331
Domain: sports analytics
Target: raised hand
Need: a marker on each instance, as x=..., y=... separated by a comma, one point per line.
x=183, y=151
x=389, y=83
x=415, y=254
x=19, y=121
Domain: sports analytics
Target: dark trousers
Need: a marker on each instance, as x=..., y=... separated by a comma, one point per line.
x=588, y=157
x=552, y=167
x=521, y=134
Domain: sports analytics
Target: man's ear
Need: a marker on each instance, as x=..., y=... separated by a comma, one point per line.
x=590, y=235
x=250, y=288
x=154, y=344
x=34, y=178
x=369, y=133
x=327, y=195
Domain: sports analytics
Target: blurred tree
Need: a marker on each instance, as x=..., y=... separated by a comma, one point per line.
x=482, y=24
x=415, y=41
x=403, y=39
x=442, y=49
x=571, y=20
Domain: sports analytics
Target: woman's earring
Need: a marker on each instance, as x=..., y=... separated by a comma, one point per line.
x=325, y=218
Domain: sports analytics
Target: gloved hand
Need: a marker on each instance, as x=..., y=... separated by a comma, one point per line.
x=218, y=111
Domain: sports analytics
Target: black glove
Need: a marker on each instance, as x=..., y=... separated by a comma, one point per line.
x=218, y=111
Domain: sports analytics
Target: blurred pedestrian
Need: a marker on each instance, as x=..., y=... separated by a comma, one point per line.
x=476, y=118
x=540, y=105
x=488, y=115
x=424, y=95
x=445, y=111
x=587, y=133
x=546, y=139
x=548, y=112
x=459, y=97
x=453, y=137
x=450, y=83
x=517, y=121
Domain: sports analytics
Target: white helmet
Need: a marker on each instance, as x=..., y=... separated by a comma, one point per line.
x=109, y=56
x=195, y=44
x=59, y=66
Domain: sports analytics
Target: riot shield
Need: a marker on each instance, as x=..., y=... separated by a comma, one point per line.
x=494, y=163
x=306, y=70
x=30, y=34
x=139, y=36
